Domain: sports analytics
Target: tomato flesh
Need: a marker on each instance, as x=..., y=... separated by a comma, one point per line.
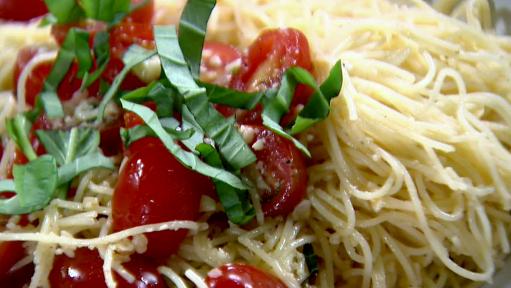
x=85, y=270
x=143, y=14
x=154, y=187
x=241, y=276
x=10, y=253
x=281, y=166
x=11, y=10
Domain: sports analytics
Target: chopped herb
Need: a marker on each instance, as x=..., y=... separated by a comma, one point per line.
x=188, y=159
x=101, y=50
x=132, y=57
x=18, y=130
x=34, y=184
x=311, y=260
x=70, y=170
x=230, y=143
x=192, y=31
x=170, y=125
x=72, y=11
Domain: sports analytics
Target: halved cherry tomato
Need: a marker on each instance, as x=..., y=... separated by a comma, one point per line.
x=267, y=59
x=218, y=63
x=126, y=34
x=282, y=167
x=241, y=276
x=154, y=187
x=16, y=10
x=85, y=270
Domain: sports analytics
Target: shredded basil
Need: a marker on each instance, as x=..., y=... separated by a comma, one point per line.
x=170, y=125
x=235, y=202
x=192, y=31
x=101, y=50
x=311, y=260
x=66, y=146
x=75, y=46
x=188, y=159
x=132, y=57
x=34, y=184
x=18, y=130
x=230, y=143
x=72, y=11
x=233, y=98
x=70, y=170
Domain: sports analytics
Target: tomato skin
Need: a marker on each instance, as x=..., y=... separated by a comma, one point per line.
x=10, y=252
x=241, y=275
x=154, y=187
x=13, y=10
x=85, y=270
x=142, y=15
x=283, y=168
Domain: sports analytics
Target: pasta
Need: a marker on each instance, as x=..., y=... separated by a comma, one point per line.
x=411, y=181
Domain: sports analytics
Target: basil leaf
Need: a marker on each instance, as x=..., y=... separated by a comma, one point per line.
x=18, y=130
x=170, y=125
x=34, y=185
x=192, y=31
x=275, y=127
x=105, y=10
x=188, y=159
x=7, y=185
x=64, y=11
x=236, y=202
x=132, y=57
x=101, y=50
x=230, y=143
x=318, y=106
x=66, y=146
x=311, y=260
x=190, y=123
x=233, y=98
x=70, y=170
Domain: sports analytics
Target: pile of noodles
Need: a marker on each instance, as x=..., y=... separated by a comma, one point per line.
x=411, y=181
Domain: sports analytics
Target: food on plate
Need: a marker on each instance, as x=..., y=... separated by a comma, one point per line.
x=253, y=144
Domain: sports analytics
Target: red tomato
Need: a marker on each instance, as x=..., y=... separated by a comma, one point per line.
x=10, y=253
x=143, y=14
x=36, y=78
x=154, y=187
x=86, y=270
x=241, y=276
x=16, y=10
x=282, y=167
x=110, y=139
x=218, y=62
x=262, y=67
x=59, y=31
x=126, y=34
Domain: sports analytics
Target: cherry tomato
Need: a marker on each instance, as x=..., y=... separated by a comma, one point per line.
x=144, y=14
x=241, y=276
x=10, y=253
x=267, y=58
x=59, y=31
x=16, y=10
x=154, y=187
x=218, y=63
x=126, y=34
x=36, y=78
x=110, y=139
x=85, y=270
x=282, y=167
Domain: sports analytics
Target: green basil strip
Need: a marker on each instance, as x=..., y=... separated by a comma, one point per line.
x=190, y=123
x=105, y=10
x=233, y=98
x=7, y=186
x=34, y=184
x=68, y=171
x=188, y=159
x=64, y=11
x=101, y=50
x=170, y=125
x=311, y=260
x=18, y=130
x=132, y=57
x=192, y=31
x=230, y=143
x=275, y=127
x=236, y=202
x=66, y=146
x=318, y=106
